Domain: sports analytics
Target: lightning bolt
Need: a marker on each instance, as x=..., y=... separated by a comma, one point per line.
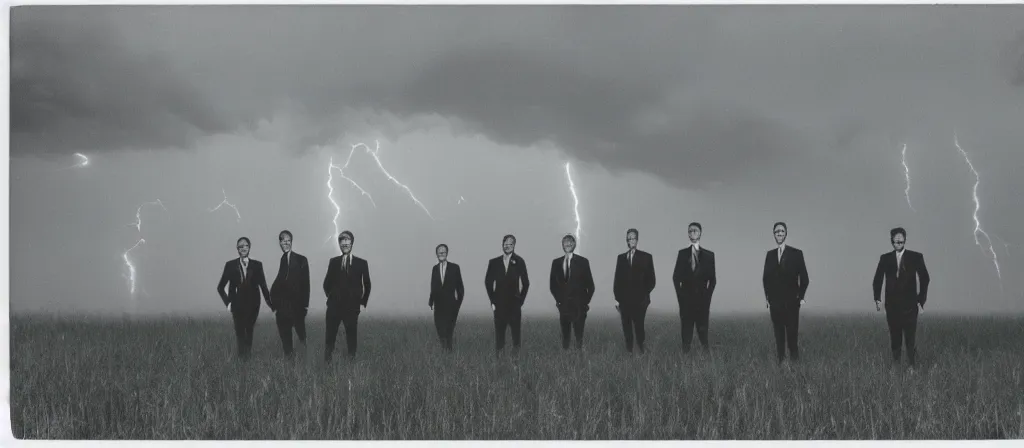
x=977, y=206
x=225, y=202
x=330, y=189
x=576, y=199
x=131, y=267
x=373, y=154
x=906, y=172
x=83, y=162
x=138, y=213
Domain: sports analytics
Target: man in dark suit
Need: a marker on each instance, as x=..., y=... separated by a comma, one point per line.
x=291, y=293
x=347, y=286
x=634, y=281
x=694, y=280
x=901, y=270
x=244, y=279
x=507, y=283
x=572, y=286
x=785, y=287
x=446, y=293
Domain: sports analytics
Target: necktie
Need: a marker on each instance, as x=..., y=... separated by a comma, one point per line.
x=287, y=264
x=283, y=271
x=565, y=270
x=241, y=268
x=442, y=273
x=780, y=255
x=899, y=263
x=630, y=258
x=693, y=259
x=344, y=263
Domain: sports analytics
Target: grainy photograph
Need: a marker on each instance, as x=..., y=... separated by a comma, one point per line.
x=516, y=222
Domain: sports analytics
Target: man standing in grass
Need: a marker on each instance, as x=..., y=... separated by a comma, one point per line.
x=694, y=280
x=901, y=270
x=785, y=286
x=291, y=293
x=572, y=286
x=507, y=283
x=633, y=283
x=446, y=293
x=347, y=286
x=244, y=279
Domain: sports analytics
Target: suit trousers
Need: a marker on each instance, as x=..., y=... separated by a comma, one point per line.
x=902, y=326
x=785, y=321
x=632, y=317
x=508, y=317
x=572, y=323
x=445, y=317
x=245, y=322
x=335, y=318
x=694, y=312
x=289, y=317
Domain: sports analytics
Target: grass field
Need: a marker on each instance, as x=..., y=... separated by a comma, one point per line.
x=179, y=379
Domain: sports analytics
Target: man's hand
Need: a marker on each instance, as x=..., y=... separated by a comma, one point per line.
x=921, y=306
x=431, y=307
x=617, y=308
x=364, y=307
x=493, y=308
x=767, y=305
x=802, y=302
x=878, y=305
x=228, y=306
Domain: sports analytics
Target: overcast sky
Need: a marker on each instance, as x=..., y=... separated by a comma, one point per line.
x=735, y=117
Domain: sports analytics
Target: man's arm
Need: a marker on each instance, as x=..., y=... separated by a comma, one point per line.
x=677, y=275
x=553, y=283
x=263, y=287
x=924, y=279
x=430, y=300
x=617, y=280
x=588, y=280
x=460, y=289
x=489, y=282
x=220, y=285
x=712, y=276
x=650, y=278
x=329, y=278
x=525, y=277
x=304, y=283
x=802, y=273
x=366, y=283
x=876, y=283
x=764, y=274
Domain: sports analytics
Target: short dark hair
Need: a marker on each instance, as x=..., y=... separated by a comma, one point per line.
x=697, y=225
x=280, y=236
x=506, y=237
x=634, y=232
x=445, y=246
x=897, y=231
x=347, y=233
x=569, y=236
x=246, y=240
x=780, y=223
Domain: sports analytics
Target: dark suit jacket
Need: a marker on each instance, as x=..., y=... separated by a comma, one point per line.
x=503, y=288
x=694, y=286
x=572, y=294
x=633, y=284
x=902, y=292
x=449, y=294
x=785, y=283
x=347, y=290
x=292, y=292
x=243, y=297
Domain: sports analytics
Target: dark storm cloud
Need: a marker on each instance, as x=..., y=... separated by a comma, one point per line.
x=527, y=97
x=79, y=87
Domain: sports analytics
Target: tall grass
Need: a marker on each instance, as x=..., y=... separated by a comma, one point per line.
x=180, y=379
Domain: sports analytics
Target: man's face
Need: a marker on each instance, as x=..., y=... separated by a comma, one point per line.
x=508, y=246
x=568, y=245
x=346, y=245
x=899, y=241
x=694, y=233
x=631, y=239
x=285, y=242
x=780, y=234
x=442, y=254
x=243, y=248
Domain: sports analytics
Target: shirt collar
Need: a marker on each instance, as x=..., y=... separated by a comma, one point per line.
x=696, y=246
